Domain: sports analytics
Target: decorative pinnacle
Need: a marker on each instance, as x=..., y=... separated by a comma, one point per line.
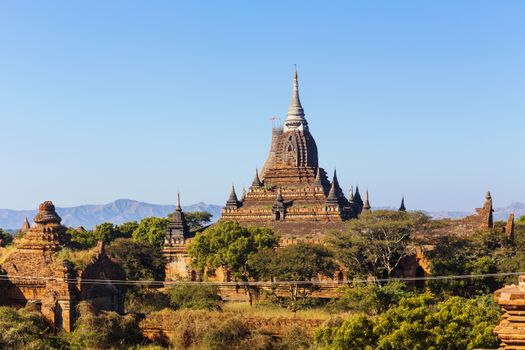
x=488, y=195
x=366, y=205
x=351, y=194
x=256, y=180
x=295, y=111
x=402, y=207
x=178, y=208
x=279, y=195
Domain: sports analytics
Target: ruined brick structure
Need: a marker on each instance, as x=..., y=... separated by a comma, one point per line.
x=511, y=329
x=292, y=187
x=35, y=273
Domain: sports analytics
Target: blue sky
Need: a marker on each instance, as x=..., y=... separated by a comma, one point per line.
x=102, y=100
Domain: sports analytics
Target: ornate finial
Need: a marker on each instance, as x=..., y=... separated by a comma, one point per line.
x=366, y=205
x=488, y=196
x=256, y=180
x=332, y=195
x=243, y=197
x=25, y=226
x=351, y=194
x=402, y=207
x=295, y=118
x=233, y=201
x=179, y=208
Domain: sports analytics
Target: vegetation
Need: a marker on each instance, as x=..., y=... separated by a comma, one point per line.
x=103, y=330
x=299, y=262
x=370, y=298
x=5, y=238
x=26, y=329
x=228, y=245
x=418, y=322
x=151, y=230
x=194, y=297
x=376, y=244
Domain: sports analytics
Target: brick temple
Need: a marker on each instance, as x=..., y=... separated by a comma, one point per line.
x=36, y=273
x=292, y=187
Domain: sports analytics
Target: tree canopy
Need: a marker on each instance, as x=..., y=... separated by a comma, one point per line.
x=377, y=242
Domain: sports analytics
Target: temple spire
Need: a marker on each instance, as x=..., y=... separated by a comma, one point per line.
x=351, y=194
x=366, y=204
x=233, y=201
x=295, y=117
x=178, y=208
x=332, y=195
x=25, y=226
x=256, y=180
x=402, y=207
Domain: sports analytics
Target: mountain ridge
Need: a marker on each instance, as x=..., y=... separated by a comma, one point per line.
x=123, y=210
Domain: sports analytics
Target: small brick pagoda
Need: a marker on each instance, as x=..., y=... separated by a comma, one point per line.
x=36, y=273
x=292, y=187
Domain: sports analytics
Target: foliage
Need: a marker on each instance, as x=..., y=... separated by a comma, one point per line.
x=140, y=260
x=5, y=238
x=418, y=322
x=194, y=297
x=229, y=245
x=472, y=255
x=104, y=330
x=106, y=232
x=298, y=262
x=82, y=239
x=371, y=298
x=25, y=329
x=126, y=229
x=295, y=338
x=151, y=230
x=143, y=300
x=377, y=242
x=205, y=330
x=197, y=220
x=79, y=258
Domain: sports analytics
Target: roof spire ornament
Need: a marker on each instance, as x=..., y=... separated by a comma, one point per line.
x=332, y=195
x=233, y=201
x=351, y=194
x=256, y=180
x=366, y=204
x=295, y=116
x=402, y=207
x=178, y=208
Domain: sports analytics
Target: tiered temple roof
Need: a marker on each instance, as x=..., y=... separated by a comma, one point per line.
x=291, y=186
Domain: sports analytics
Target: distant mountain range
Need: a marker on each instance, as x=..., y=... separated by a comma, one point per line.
x=117, y=212
x=123, y=210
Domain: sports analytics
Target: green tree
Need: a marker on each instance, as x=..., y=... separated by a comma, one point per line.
x=377, y=242
x=369, y=298
x=82, y=239
x=106, y=232
x=197, y=219
x=194, y=297
x=5, y=238
x=421, y=323
x=298, y=262
x=151, y=230
x=126, y=229
x=140, y=260
x=471, y=256
x=228, y=245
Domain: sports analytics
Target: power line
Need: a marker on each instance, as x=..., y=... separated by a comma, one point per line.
x=152, y=283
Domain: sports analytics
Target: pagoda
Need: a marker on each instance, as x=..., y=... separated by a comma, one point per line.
x=291, y=186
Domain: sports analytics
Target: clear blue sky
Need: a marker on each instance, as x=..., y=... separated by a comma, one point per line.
x=102, y=100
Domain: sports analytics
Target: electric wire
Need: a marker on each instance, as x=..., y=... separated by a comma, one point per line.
x=13, y=278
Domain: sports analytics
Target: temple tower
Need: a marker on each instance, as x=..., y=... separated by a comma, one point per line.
x=174, y=249
x=291, y=186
